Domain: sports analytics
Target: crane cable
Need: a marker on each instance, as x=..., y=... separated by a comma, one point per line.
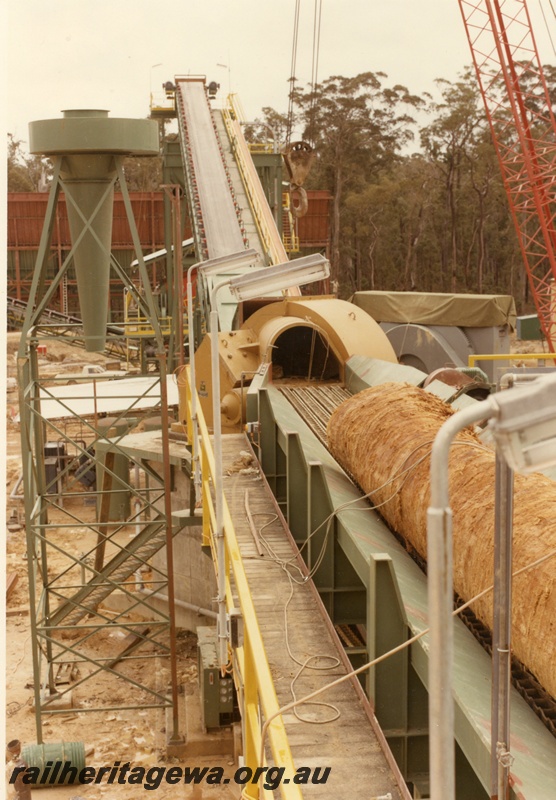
x=317, y=18
x=292, y=78
x=315, y=63
x=546, y=22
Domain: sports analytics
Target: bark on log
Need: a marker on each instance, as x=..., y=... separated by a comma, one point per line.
x=380, y=432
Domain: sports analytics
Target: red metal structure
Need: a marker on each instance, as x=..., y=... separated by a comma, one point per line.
x=523, y=128
x=25, y=219
x=26, y=213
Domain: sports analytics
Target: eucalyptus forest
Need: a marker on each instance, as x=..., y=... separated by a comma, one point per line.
x=418, y=199
x=418, y=202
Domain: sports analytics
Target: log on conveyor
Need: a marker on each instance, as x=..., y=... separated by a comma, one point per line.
x=380, y=432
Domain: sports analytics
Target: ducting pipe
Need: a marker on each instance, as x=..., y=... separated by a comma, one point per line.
x=205, y=612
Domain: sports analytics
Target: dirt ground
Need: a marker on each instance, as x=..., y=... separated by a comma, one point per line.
x=137, y=736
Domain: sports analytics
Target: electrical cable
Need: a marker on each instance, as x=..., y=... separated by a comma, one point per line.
x=324, y=340
x=328, y=521
x=22, y=657
x=312, y=354
x=399, y=354
x=308, y=699
x=395, y=477
x=403, y=472
x=285, y=564
x=19, y=706
x=317, y=47
x=303, y=665
x=317, y=20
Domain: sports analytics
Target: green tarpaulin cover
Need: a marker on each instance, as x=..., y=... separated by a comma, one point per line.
x=459, y=310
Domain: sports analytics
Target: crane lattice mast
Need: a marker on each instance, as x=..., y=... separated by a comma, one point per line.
x=523, y=127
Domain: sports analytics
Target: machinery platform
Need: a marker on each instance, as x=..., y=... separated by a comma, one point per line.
x=352, y=745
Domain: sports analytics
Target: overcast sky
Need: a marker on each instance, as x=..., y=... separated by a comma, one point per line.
x=102, y=53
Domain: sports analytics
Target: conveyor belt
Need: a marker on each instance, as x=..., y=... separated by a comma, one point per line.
x=226, y=198
x=217, y=221
x=542, y=703
x=271, y=245
x=64, y=325
x=315, y=404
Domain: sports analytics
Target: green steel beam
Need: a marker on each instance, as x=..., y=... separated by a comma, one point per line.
x=387, y=683
x=39, y=531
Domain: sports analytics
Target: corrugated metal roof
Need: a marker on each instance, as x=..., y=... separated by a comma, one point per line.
x=104, y=397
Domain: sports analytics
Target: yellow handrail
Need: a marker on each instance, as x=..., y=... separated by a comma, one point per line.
x=261, y=147
x=291, y=242
x=510, y=357
x=142, y=326
x=137, y=325
x=250, y=659
x=266, y=227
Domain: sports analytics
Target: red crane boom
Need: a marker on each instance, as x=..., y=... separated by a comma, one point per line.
x=523, y=128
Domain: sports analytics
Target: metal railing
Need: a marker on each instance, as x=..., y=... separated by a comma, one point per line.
x=136, y=327
x=472, y=360
x=289, y=235
x=261, y=147
x=258, y=700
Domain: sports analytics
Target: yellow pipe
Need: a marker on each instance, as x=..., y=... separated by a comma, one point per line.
x=257, y=678
x=509, y=357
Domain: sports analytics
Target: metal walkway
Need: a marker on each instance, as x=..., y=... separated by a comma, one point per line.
x=352, y=745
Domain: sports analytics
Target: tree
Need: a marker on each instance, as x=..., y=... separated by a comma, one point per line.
x=273, y=126
x=358, y=128
x=26, y=173
x=389, y=227
x=143, y=173
x=447, y=141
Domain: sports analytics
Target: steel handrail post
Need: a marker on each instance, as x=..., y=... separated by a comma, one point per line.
x=191, y=346
x=218, y=479
x=440, y=599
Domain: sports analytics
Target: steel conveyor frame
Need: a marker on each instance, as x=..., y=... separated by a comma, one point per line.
x=368, y=578
x=65, y=612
